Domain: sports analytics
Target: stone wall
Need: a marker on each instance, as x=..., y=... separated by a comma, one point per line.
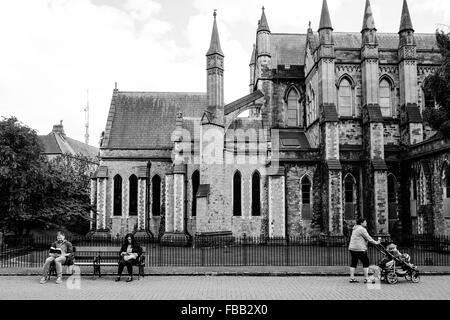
x=350, y=133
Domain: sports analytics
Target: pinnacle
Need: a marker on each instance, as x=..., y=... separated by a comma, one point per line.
x=325, y=20
x=214, y=47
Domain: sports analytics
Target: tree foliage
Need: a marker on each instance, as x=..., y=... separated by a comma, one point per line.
x=438, y=85
x=36, y=192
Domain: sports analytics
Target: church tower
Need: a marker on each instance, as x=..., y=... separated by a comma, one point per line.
x=215, y=68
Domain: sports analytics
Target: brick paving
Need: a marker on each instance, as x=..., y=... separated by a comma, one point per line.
x=223, y=288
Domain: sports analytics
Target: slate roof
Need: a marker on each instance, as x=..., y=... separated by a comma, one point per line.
x=58, y=144
x=294, y=139
x=387, y=41
x=147, y=119
x=330, y=113
x=413, y=113
x=379, y=164
x=287, y=49
x=333, y=164
x=374, y=113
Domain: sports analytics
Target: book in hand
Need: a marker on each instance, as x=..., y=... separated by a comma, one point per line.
x=55, y=250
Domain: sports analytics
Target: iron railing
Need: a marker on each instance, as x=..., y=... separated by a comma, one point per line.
x=26, y=252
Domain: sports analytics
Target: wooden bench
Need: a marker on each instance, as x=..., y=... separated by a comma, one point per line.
x=98, y=257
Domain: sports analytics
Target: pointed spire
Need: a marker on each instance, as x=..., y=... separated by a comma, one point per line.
x=263, y=25
x=253, y=59
x=325, y=20
x=405, y=23
x=369, y=21
x=215, y=41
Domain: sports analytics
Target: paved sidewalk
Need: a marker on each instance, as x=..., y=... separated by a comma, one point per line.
x=222, y=288
x=229, y=271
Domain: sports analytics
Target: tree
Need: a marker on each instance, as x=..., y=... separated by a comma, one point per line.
x=65, y=198
x=36, y=192
x=21, y=164
x=438, y=85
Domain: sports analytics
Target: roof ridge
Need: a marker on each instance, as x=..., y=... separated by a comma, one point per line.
x=164, y=92
x=288, y=33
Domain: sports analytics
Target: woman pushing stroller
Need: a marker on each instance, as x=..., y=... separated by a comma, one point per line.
x=358, y=249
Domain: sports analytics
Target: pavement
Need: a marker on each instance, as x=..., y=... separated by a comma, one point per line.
x=222, y=288
x=260, y=271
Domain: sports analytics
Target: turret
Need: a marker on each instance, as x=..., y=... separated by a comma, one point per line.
x=215, y=69
x=263, y=55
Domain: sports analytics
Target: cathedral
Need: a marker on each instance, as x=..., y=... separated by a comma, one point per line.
x=331, y=130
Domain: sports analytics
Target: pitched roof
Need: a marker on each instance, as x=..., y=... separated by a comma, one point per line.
x=352, y=40
x=147, y=119
x=287, y=49
x=294, y=139
x=55, y=143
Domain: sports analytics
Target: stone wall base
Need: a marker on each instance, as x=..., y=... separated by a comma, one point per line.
x=175, y=240
x=211, y=239
x=143, y=235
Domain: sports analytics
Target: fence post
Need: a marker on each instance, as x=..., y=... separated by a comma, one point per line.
x=287, y=244
x=244, y=244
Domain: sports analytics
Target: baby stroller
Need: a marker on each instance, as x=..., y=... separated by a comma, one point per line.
x=393, y=267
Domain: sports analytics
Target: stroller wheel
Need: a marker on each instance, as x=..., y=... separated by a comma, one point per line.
x=392, y=278
x=415, y=277
x=408, y=276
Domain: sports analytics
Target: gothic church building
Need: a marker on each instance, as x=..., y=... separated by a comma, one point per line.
x=334, y=131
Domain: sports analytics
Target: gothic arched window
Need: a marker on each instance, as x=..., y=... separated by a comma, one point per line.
x=156, y=196
x=350, y=197
x=306, y=198
x=133, y=198
x=446, y=187
x=256, y=194
x=446, y=181
x=292, y=108
x=195, y=186
x=117, y=206
x=385, y=98
x=345, y=98
x=392, y=196
x=237, y=194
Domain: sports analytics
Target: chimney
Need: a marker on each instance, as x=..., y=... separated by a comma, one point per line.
x=59, y=129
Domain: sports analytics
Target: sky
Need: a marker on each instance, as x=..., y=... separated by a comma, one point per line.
x=56, y=55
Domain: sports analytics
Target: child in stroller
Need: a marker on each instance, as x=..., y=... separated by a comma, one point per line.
x=397, y=265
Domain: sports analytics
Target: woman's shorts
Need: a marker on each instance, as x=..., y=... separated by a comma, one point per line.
x=361, y=256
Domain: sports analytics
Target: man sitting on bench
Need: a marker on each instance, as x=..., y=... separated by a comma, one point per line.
x=60, y=250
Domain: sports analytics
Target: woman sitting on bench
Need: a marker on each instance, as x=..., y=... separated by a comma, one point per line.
x=129, y=253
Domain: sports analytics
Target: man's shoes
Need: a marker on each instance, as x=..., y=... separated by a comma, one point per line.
x=369, y=281
x=43, y=280
x=117, y=279
x=59, y=280
x=353, y=280
x=130, y=279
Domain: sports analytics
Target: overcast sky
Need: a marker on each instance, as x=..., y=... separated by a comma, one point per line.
x=53, y=51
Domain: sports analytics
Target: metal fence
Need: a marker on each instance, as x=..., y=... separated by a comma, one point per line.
x=26, y=252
